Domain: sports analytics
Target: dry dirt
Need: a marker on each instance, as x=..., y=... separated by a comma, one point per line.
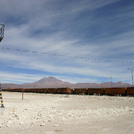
x=66, y=114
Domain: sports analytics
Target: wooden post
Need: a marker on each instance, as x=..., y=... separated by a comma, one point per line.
x=22, y=93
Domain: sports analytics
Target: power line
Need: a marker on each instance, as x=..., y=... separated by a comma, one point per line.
x=70, y=56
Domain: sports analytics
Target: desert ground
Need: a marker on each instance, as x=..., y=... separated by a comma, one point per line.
x=66, y=114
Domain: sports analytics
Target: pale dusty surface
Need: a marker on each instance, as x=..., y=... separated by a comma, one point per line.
x=63, y=114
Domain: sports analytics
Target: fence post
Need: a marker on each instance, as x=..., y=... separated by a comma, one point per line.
x=22, y=93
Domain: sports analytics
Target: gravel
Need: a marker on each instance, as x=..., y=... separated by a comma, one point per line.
x=55, y=113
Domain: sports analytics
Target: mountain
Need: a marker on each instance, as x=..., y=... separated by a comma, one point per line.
x=52, y=82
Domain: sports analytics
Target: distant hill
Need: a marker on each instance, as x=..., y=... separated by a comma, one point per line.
x=52, y=82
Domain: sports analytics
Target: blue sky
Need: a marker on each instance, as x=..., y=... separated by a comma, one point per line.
x=94, y=29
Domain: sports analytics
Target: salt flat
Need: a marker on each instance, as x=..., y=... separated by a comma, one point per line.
x=66, y=114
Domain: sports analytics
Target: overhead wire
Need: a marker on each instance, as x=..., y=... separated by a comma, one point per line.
x=70, y=56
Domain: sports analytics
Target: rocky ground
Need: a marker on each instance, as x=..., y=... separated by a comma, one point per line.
x=66, y=114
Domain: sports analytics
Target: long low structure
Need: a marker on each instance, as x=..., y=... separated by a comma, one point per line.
x=66, y=90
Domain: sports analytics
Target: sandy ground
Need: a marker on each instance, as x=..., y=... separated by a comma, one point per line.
x=63, y=114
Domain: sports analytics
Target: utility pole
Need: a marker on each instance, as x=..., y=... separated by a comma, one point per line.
x=1, y=38
x=111, y=81
x=131, y=74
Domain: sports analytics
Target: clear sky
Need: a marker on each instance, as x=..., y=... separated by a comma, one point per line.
x=101, y=31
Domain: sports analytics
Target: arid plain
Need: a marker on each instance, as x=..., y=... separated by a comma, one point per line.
x=66, y=114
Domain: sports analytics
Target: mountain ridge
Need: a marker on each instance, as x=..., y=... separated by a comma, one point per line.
x=52, y=82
